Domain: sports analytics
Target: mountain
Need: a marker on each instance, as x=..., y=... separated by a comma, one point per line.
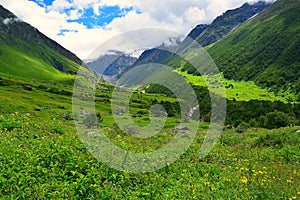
x=197, y=31
x=226, y=23
x=265, y=49
x=27, y=53
x=203, y=33
x=112, y=63
x=160, y=53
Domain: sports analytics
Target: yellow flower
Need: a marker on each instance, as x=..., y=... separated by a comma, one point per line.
x=244, y=180
x=298, y=193
x=226, y=179
x=213, y=189
x=206, y=175
x=206, y=183
x=289, y=181
x=184, y=170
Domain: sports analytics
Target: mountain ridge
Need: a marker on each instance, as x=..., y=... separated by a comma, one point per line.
x=265, y=49
x=205, y=34
x=27, y=53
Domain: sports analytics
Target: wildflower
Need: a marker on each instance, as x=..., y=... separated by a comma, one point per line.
x=226, y=179
x=292, y=198
x=206, y=183
x=213, y=189
x=298, y=193
x=244, y=180
x=206, y=175
x=184, y=170
x=289, y=181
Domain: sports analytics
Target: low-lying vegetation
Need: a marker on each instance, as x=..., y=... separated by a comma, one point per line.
x=42, y=157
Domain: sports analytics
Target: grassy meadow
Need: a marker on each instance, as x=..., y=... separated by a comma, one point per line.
x=42, y=157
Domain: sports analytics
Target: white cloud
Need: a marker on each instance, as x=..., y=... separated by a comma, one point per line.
x=7, y=21
x=96, y=9
x=195, y=15
x=179, y=16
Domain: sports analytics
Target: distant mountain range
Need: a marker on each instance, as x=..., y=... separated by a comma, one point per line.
x=28, y=54
x=112, y=63
x=206, y=34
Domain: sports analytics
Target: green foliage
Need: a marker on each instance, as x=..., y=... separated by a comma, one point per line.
x=279, y=138
x=228, y=21
x=276, y=119
x=42, y=157
x=264, y=49
x=243, y=127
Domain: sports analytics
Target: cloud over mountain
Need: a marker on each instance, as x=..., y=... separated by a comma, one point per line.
x=81, y=25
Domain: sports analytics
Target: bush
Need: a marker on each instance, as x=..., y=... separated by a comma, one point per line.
x=253, y=123
x=276, y=119
x=242, y=127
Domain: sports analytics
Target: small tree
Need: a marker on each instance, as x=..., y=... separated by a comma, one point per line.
x=276, y=119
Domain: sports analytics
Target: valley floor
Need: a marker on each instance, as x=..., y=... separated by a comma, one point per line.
x=42, y=157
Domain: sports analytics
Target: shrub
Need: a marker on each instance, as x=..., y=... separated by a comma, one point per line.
x=242, y=127
x=276, y=119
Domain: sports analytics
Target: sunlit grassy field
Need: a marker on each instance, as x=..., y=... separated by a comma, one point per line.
x=241, y=90
x=42, y=157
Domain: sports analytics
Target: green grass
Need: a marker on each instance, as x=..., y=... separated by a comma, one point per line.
x=43, y=158
x=239, y=90
x=264, y=49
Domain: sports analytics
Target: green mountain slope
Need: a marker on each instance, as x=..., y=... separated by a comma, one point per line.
x=227, y=22
x=265, y=49
x=28, y=54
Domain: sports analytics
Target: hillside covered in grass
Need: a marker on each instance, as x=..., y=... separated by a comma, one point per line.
x=28, y=54
x=265, y=49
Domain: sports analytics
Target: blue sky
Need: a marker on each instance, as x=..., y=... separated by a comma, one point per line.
x=82, y=25
x=88, y=17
